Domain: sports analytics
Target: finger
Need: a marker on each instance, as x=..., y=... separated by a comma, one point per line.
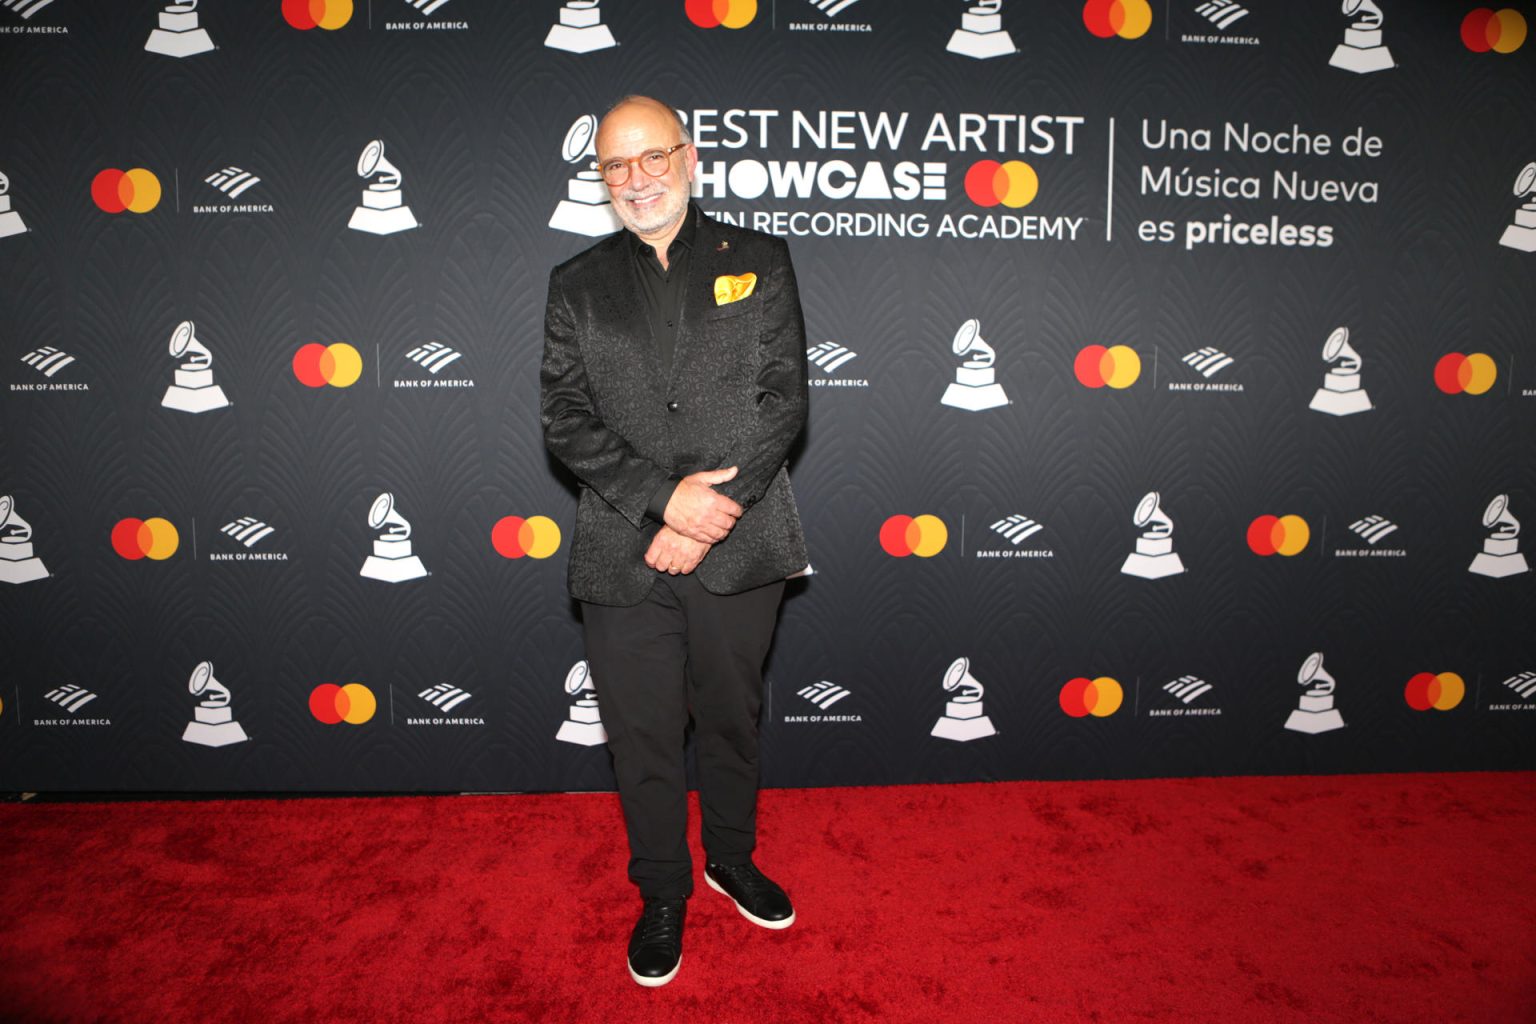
x=716, y=476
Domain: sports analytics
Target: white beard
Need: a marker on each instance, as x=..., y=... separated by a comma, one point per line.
x=664, y=213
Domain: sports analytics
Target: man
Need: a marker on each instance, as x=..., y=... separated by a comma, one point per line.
x=672, y=386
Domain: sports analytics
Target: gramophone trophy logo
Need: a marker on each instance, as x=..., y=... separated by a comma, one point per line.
x=1341, y=393
x=1501, y=548
x=18, y=563
x=10, y=220
x=193, y=389
x=213, y=721
x=178, y=34
x=392, y=560
x=981, y=33
x=584, y=726
x=975, y=386
x=1519, y=235
x=580, y=29
x=382, y=210
x=963, y=718
x=1316, y=713
x=1362, y=50
x=586, y=208
x=1154, y=556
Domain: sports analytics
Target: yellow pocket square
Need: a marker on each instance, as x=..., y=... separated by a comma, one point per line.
x=730, y=289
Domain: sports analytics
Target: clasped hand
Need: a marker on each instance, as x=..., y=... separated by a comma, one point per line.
x=697, y=517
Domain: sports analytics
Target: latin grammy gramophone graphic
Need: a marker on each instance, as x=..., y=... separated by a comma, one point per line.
x=975, y=386
x=10, y=220
x=392, y=560
x=1519, y=235
x=1316, y=713
x=382, y=210
x=586, y=208
x=193, y=389
x=1154, y=556
x=178, y=34
x=213, y=721
x=963, y=718
x=1362, y=50
x=18, y=563
x=1501, y=548
x=580, y=29
x=981, y=33
x=584, y=726
x=1341, y=393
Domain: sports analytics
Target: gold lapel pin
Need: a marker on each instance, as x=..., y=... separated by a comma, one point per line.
x=724, y=245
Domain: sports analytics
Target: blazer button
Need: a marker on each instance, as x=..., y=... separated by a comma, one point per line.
x=671, y=407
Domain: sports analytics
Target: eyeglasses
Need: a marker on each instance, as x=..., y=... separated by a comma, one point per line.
x=653, y=162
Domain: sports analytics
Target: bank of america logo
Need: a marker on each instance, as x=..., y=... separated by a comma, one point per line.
x=1188, y=688
x=248, y=530
x=47, y=360
x=829, y=355
x=70, y=697
x=823, y=694
x=434, y=355
x=832, y=8
x=445, y=696
x=1222, y=13
x=1208, y=361
x=1017, y=528
x=1524, y=684
x=232, y=181
x=427, y=7
x=26, y=8
x=1373, y=529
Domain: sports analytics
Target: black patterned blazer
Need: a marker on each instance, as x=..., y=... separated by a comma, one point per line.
x=736, y=396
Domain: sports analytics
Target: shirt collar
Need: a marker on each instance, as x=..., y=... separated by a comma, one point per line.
x=684, y=235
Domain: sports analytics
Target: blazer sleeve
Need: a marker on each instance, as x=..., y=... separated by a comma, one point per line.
x=782, y=394
x=573, y=431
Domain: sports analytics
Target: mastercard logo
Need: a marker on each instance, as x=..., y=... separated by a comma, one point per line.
x=317, y=365
x=1278, y=535
x=154, y=538
x=353, y=703
x=536, y=537
x=137, y=191
x=923, y=536
x=1474, y=374
x=1128, y=19
x=1485, y=29
x=307, y=14
x=1099, y=697
x=1116, y=366
x=1441, y=691
x=717, y=13
x=1013, y=184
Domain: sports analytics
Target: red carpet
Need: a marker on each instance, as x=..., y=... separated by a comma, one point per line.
x=1390, y=898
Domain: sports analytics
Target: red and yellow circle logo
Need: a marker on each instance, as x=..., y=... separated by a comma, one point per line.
x=923, y=536
x=1099, y=697
x=1441, y=691
x=1128, y=19
x=327, y=14
x=1014, y=184
x=153, y=538
x=1474, y=374
x=136, y=190
x=1278, y=535
x=717, y=13
x=1116, y=366
x=1485, y=29
x=317, y=365
x=353, y=703
x=536, y=537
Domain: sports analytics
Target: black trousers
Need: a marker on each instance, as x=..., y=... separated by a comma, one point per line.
x=683, y=650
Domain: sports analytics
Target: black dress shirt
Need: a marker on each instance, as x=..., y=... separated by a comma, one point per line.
x=662, y=288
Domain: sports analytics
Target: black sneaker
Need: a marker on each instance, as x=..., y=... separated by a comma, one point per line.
x=756, y=895
x=656, y=944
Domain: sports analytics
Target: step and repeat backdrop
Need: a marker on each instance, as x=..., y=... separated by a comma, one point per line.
x=1173, y=372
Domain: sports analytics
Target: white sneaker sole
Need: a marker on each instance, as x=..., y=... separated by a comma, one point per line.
x=654, y=982
x=743, y=910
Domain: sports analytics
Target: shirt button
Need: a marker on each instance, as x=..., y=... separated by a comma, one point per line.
x=671, y=407
x=669, y=323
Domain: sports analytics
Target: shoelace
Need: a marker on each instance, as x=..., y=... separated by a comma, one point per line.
x=661, y=922
x=747, y=876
